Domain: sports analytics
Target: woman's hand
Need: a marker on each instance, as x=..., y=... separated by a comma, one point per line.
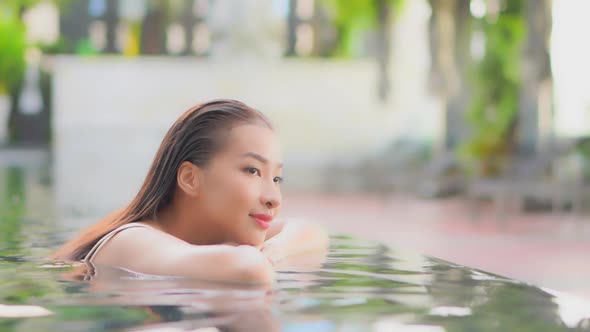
x=272, y=252
x=295, y=238
x=275, y=228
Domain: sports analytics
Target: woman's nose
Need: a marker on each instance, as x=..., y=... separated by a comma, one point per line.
x=272, y=197
x=271, y=204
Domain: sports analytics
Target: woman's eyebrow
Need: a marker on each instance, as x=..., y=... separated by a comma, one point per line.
x=259, y=158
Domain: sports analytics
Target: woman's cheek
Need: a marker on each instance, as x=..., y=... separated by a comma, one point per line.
x=245, y=192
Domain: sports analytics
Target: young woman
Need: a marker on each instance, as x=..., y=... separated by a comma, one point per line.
x=208, y=206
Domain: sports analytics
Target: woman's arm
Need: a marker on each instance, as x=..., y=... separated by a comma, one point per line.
x=296, y=238
x=151, y=251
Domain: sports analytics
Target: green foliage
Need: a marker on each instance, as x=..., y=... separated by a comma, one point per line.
x=12, y=53
x=497, y=79
x=84, y=47
x=352, y=17
x=13, y=42
x=582, y=150
x=360, y=13
x=15, y=6
x=61, y=45
x=12, y=210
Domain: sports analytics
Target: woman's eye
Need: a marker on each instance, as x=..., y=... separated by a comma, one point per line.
x=278, y=179
x=253, y=171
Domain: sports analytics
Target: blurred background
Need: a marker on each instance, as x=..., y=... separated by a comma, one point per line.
x=456, y=128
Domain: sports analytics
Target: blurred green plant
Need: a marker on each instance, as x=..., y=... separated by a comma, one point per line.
x=352, y=17
x=84, y=47
x=61, y=45
x=497, y=82
x=582, y=149
x=12, y=53
x=12, y=211
x=13, y=42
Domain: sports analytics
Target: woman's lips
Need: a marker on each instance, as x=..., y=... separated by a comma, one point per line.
x=263, y=220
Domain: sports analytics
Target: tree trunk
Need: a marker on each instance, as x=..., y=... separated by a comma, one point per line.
x=292, y=22
x=458, y=103
x=188, y=21
x=450, y=36
x=152, y=40
x=74, y=22
x=536, y=76
x=383, y=48
x=111, y=20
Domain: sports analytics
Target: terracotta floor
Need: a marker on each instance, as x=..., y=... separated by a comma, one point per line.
x=550, y=250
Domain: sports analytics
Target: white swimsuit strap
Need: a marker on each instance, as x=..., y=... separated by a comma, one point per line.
x=92, y=253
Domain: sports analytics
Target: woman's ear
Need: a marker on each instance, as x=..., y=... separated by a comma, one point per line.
x=187, y=178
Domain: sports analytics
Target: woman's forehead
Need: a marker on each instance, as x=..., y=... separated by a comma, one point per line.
x=256, y=139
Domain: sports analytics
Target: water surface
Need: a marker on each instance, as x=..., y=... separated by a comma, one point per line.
x=361, y=286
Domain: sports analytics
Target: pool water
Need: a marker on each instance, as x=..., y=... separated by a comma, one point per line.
x=360, y=286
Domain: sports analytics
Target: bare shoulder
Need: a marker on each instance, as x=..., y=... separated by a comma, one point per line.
x=130, y=247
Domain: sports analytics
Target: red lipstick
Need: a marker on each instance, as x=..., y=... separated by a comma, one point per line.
x=263, y=220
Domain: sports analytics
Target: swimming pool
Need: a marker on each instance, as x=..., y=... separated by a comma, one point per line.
x=361, y=286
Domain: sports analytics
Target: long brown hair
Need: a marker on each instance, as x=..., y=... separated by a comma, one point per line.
x=195, y=137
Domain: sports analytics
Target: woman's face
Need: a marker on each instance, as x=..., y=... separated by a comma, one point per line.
x=240, y=187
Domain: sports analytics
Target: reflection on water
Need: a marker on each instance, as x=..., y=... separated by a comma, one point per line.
x=362, y=286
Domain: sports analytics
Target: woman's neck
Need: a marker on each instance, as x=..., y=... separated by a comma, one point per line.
x=179, y=219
